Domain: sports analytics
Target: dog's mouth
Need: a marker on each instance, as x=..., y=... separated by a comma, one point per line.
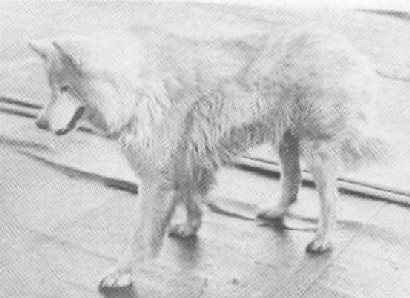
x=73, y=122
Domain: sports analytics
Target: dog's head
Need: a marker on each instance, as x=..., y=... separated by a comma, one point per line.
x=65, y=108
x=88, y=80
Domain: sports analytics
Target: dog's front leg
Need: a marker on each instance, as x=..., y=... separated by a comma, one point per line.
x=323, y=166
x=154, y=207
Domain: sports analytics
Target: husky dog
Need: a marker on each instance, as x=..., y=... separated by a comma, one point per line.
x=182, y=108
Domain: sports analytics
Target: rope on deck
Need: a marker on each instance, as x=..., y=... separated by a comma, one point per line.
x=356, y=187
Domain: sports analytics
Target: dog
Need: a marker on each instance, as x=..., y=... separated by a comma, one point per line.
x=182, y=108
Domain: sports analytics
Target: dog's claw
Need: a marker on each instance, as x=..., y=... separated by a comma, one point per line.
x=116, y=278
x=318, y=246
x=182, y=231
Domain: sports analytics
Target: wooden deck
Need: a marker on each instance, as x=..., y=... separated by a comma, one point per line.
x=63, y=223
x=65, y=202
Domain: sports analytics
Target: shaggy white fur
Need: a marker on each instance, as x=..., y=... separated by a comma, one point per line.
x=182, y=108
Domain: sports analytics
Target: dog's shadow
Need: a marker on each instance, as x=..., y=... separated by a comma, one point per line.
x=120, y=292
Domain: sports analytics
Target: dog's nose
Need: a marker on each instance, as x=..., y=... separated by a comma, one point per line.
x=42, y=124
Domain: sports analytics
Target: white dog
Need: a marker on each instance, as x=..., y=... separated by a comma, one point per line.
x=182, y=108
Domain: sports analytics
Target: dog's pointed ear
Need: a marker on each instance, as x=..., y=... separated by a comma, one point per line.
x=66, y=51
x=43, y=49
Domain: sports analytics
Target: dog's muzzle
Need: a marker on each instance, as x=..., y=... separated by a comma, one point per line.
x=73, y=122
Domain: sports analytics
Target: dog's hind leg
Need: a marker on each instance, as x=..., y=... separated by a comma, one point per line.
x=193, y=221
x=290, y=180
x=154, y=208
x=192, y=195
x=323, y=165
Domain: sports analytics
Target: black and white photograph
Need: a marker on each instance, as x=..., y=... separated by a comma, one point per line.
x=205, y=149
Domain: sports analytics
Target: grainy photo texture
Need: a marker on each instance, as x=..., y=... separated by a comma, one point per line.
x=268, y=144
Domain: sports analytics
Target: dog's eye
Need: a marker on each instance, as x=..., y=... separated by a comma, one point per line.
x=64, y=88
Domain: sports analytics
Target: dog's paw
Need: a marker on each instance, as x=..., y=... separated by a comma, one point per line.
x=116, y=277
x=318, y=246
x=182, y=230
x=271, y=212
